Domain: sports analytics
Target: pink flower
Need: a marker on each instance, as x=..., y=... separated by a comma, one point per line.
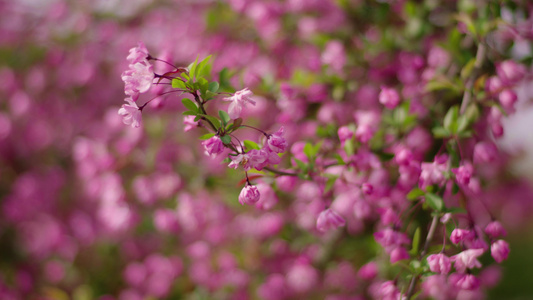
x=189, y=123
x=131, y=114
x=510, y=72
x=257, y=159
x=467, y=260
x=389, y=97
x=485, y=152
x=463, y=173
x=276, y=142
x=432, y=173
x=238, y=102
x=499, y=250
x=344, y=133
x=398, y=254
x=460, y=235
x=368, y=271
x=439, y=263
x=495, y=230
x=464, y=281
x=249, y=195
x=138, y=54
x=138, y=79
x=508, y=99
x=390, y=239
x=329, y=219
x=213, y=146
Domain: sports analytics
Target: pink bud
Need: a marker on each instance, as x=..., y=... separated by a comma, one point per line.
x=485, y=152
x=510, y=72
x=499, y=250
x=508, y=99
x=367, y=188
x=276, y=142
x=495, y=230
x=463, y=173
x=368, y=271
x=213, y=146
x=249, y=195
x=344, y=133
x=493, y=85
x=460, y=235
x=398, y=254
x=467, y=260
x=464, y=281
x=439, y=263
x=329, y=219
x=389, y=97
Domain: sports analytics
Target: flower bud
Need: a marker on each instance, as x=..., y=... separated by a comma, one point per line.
x=389, y=97
x=213, y=146
x=499, y=250
x=344, y=133
x=495, y=230
x=460, y=235
x=439, y=263
x=329, y=219
x=510, y=72
x=508, y=99
x=276, y=142
x=249, y=195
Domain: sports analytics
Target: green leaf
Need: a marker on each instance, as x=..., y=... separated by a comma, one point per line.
x=415, y=194
x=301, y=165
x=309, y=151
x=201, y=66
x=251, y=145
x=226, y=139
x=213, y=120
x=192, y=68
x=434, y=201
x=416, y=242
x=177, y=83
x=189, y=113
x=462, y=123
x=189, y=104
x=440, y=132
x=224, y=117
x=455, y=210
x=207, y=136
x=450, y=120
x=329, y=183
x=468, y=68
x=213, y=86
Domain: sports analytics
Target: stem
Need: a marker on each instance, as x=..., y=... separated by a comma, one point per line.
x=280, y=172
x=429, y=237
x=197, y=99
x=467, y=96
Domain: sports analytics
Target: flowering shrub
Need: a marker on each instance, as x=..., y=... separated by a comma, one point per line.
x=326, y=149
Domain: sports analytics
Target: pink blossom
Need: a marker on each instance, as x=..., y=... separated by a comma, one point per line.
x=302, y=277
x=464, y=281
x=485, y=152
x=390, y=239
x=328, y=220
x=467, y=260
x=508, y=99
x=460, y=235
x=389, y=97
x=439, y=263
x=249, y=195
x=189, y=123
x=510, y=72
x=131, y=114
x=138, y=54
x=239, y=100
x=463, y=173
x=398, y=254
x=344, y=133
x=495, y=230
x=368, y=271
x=213, y=146
x=499, y=250
x=493, y=85
x=432, y=173
x=436, y=287
x=276, y=142
x=138, y=79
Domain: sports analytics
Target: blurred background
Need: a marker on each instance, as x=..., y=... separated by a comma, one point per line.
x=91, y=208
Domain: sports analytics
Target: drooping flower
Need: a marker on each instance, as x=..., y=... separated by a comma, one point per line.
x=213, y=146
x=138, y=79
x=138, y=54
x=439, y=263
x=329, y=219
x=131, y=114
x=239, y=100
x=249, y=195
x=499, y=250
x=276, y=142
x=495, y=230
x=464, y=281
x=389, y=97
x=467, y=260
x=460, y=235
x=189, y=123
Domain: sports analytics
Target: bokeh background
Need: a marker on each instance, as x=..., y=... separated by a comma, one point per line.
x=92, y=208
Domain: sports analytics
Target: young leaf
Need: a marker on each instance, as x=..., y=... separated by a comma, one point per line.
x=415, y=193
x=309, y=151
x=189, y=113
x=192, y=68
x=416, y=242
x=226, y=139
x=251, y=145
x=213, y=120
x=189, y=104
x=450, y=120
x=207, y=136
x=434, y=201
x=177, y=83
x=224, y=117
x=213, y=87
